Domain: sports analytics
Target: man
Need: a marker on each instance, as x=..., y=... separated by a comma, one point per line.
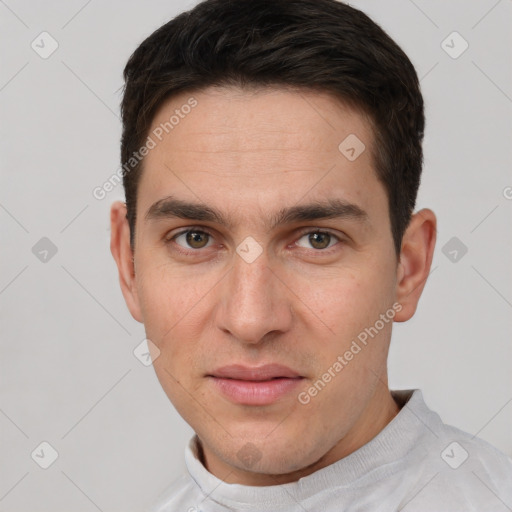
x=272, y=157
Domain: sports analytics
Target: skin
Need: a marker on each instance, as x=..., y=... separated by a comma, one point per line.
x=249, y=154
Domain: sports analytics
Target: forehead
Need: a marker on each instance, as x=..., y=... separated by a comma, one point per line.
x=264, y=146
x=259, y=118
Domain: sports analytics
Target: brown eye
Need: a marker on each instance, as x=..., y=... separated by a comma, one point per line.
x=193, y=239
x=317, y=240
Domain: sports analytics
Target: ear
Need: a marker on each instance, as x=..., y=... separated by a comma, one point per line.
x=124, y=257
x=415, y=260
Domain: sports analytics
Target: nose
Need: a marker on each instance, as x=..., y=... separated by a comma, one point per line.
x=254, y=302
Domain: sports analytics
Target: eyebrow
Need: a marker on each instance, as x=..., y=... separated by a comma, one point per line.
x=170, y=207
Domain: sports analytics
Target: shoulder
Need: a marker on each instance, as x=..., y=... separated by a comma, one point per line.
x=458, y=471
x=477, y=457
x=181, y=495
x=467, y=475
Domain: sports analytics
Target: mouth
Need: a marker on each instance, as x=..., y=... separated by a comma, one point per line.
x=262, y=385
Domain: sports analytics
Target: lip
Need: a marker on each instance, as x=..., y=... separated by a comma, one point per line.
x=264, y=372
x=262, y=385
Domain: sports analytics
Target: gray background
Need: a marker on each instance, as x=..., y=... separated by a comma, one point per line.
x=68, y=373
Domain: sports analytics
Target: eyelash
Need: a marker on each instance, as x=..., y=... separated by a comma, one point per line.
x=171, y=239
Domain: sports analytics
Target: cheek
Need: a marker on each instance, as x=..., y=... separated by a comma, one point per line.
x=345, y=301
x=168, y=301
x=171, y=310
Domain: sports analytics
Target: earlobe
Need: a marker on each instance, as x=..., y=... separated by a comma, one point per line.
x=124, y=258
x=415, y=261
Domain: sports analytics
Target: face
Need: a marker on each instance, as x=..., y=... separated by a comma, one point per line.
x=266, y=277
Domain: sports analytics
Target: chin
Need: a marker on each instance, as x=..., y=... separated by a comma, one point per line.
x=275, y=455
